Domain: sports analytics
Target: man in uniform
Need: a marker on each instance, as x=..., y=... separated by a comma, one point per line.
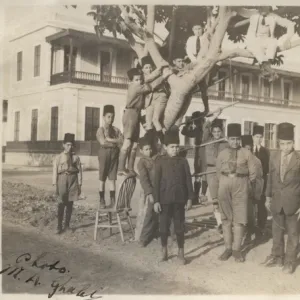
x=263, y=155
x=283, y=200
x=235, y=167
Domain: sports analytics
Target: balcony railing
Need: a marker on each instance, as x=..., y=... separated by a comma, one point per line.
x=122, y=83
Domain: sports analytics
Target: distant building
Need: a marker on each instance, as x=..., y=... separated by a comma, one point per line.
x=59, y=75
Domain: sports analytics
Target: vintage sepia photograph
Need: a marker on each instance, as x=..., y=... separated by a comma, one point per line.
x=150, y=150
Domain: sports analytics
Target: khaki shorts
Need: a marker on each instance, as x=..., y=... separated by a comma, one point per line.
x=131, y=124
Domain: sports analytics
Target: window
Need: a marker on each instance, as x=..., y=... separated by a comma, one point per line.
x=34, y=123
x=19, y=65
x=37, y=60
x=105, y=65
x=17, y=126
x=4, y=111
x=92, y=120
x=271, y=135
x=287, y=87
x=266, y=88
x=245, y=85
x=248, y=127
x=54, y=124
x=222, y=84
x=67, y=57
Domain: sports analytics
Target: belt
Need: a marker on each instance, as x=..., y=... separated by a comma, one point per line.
x=232, y=175
x=211, y=165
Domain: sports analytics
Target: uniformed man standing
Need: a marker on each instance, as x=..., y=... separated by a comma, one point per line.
x=235, y=167
x=283, y=200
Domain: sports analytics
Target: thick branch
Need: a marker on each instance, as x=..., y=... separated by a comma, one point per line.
x=244, y=12
x=150, y=18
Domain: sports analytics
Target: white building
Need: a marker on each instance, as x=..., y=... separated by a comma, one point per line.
x=51, y=92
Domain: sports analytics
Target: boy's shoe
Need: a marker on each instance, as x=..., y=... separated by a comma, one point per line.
x=164, y=252
x=180, y=256
x=102, y=204
x=132, y=173
x=225, y=255
x=238, y=256
x=123, y=173
x=59, y=230
x=289, y=267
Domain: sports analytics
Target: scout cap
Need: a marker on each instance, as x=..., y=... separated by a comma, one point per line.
x=234, y=130
x=108, y=109
x=247, y=140
x=133, y=72
x=257, y=129
x=286, y=131
x=69, y=138
x=171, y=137
x=146, y=60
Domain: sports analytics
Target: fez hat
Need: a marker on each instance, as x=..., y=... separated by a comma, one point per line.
x=108, y=109
x=286, y=131
x=247, y=140
x=217, y=123
x=145, y=141
x=133, y=72
x=197, y=114
x=171, y=137
x=146, y=60
x=257, y=129
x=234, y=130
x=69, y=138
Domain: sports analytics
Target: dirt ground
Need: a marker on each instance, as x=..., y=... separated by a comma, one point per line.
x=29, y=216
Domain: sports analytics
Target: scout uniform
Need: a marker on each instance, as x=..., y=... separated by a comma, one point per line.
x=67, y=176
x=155, y=102
x=235, y=167
x=108, y=154
x=283, y=190
x=211, y=153
x=260, y=39
x=263, y=155
x=255, y=195
x=147, y=220
x=172, y=188
x=194, y=130
x=131, y=118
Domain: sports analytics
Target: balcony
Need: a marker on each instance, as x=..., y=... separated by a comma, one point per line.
x=89, y=79
x=122, y=83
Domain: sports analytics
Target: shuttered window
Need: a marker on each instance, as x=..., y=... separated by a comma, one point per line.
x=54, y=124
x=92, y=121
x=34, y=124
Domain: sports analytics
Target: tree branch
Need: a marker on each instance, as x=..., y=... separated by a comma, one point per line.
x=244, y=12
x=150, y=18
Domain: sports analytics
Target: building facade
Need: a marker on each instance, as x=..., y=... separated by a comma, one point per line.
x=59, y=75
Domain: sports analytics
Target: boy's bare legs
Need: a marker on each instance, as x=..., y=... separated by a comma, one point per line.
x=102, y=193
x=159, y=109
x=131, y=159
x=127, y=144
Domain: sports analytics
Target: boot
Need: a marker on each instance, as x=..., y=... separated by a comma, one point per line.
x=160, y=136
x=238, y=233
x=60, y=216
x=102, y=201
x=180, y=256
x=131, y=162
x=122, y=163
x=69, y=210
x=197, y=187
x=164, y=256
x=112, y=198
x=227, y=234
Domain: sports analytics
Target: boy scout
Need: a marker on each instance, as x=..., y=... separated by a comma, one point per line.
x=194, y=130
x=155, y=102
x=110, y=138
x=283, y=200
x=213, y=132
x=247, y=143
x=173, y=190
x=67, y=179
x=147, y=221
x=263, y=155
x=235, y=167
x=132, y=114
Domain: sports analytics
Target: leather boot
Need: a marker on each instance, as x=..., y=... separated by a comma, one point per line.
x=102, y=200
x=164, y=252
x=131, y=162
x=238, y=233
x=180, y=256
x=60, y=216
x=69, y=210
x=122, y=163
x=197, y=187
x=227, y=235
